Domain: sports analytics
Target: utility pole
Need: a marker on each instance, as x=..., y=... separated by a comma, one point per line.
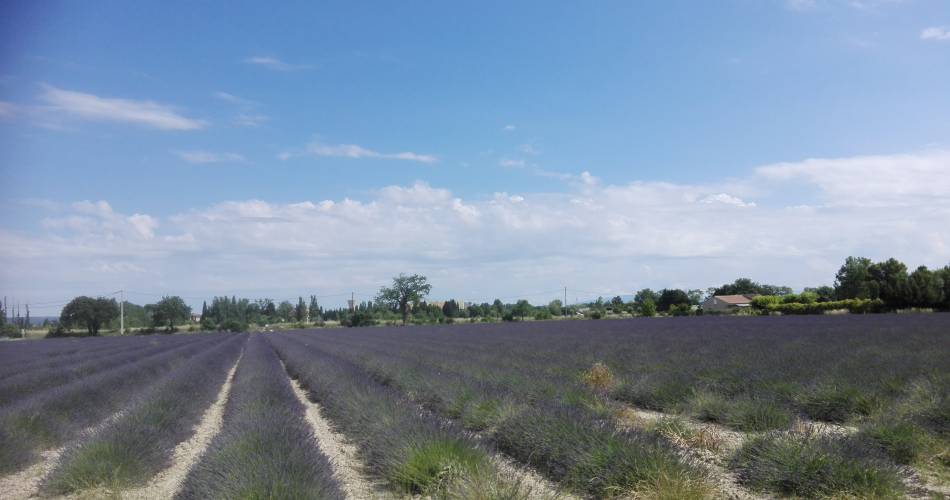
x=565, y=296
x=121, y=312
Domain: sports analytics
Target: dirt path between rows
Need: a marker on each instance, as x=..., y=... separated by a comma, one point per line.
x=26, y=483
x=919, y=486
x=346, y=467
x=726, y=440
x=167, y=482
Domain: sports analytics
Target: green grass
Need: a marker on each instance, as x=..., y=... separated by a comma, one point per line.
x=434, y=466
x=902, y=441
x=813, y=466
x=757, y=415
x=100, y=464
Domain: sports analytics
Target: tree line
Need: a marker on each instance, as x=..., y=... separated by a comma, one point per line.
x=860, y=285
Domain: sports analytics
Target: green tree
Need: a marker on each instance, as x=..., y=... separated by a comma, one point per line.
x=313, y=311
x=555, y=307
x=300, y=312
x=404, y=291
x=853, y=279
x=648, y=308
x=824, y=293
x=522, y=308
x=670, y=297
x=89, y=312
x=925, y=288
x=641, y=297
x=169, y=311
x=285, y=311
x=450, y=309
x=745, y=286
x=888, y=282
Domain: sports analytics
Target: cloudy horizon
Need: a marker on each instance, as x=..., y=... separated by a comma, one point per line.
x=668, y=146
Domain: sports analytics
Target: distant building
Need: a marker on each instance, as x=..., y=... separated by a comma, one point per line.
x=195, y=318
x=727, y=303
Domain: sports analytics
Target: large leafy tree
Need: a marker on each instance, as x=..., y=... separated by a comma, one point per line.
x=89, y=312
x=670, y=297
x=745, y=286
x=404, y=291
x=888, y=282
x=853, y=279
x=925, y=288
x=169, y=311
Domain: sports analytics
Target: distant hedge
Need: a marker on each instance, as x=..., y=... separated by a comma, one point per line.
x=855, y=306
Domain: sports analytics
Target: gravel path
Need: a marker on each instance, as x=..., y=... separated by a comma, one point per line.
x=167, y=482
x=346, y=467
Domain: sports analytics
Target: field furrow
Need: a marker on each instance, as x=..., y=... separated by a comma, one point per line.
x=53, y=418
x=265, y=448
x=412, y=452
x=138, y=445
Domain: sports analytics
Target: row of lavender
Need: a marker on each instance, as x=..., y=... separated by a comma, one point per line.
x=569, y=443
x=63, y=406
x=524, y=385
x=120, y=408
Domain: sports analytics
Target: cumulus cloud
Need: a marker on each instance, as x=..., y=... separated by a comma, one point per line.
x=356, y=152
x=870, y=180
x=275, y=64
x=203, y=157
x=92, y=107
x=936, y=33
x=592, y=236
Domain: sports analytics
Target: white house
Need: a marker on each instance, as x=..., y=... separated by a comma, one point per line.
x=727, y=303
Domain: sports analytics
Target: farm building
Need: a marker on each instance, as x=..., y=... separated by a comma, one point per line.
x=727, y=303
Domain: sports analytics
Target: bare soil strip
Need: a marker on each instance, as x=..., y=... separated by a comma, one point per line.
x=727, y=441
x=26, y=483
x=918, y=484
x=530, y=481
x=167, y=482
x=346, y=467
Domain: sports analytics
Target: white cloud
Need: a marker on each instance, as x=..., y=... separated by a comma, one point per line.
x=509, y=127
x=727, y=200
x=937, y=33
x=509, y=163
x=529, y=149
x=274, y=64
x=593, y=236
x=800, y=4
x=7, y=109
x=200, y=157
x=870, y=180
x=92, y=107
x=356, y=152
x=250, y=120
x=233, y=99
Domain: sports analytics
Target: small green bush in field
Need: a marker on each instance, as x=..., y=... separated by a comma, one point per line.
x=813, y=466
x=758, y=415
x=902, y=441
x=830, y=403
x=433, y=467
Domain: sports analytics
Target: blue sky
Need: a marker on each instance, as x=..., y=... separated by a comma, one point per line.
x=503, y=149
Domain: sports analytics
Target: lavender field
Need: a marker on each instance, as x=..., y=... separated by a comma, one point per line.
x=696, y=407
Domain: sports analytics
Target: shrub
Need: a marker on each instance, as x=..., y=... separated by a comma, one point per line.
x=830, y=403
x=758, y=415
x=812, y=466
x=432, y=466
x=598, y=377
x=655, y=393
x=708, y=406
x=902, y=441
